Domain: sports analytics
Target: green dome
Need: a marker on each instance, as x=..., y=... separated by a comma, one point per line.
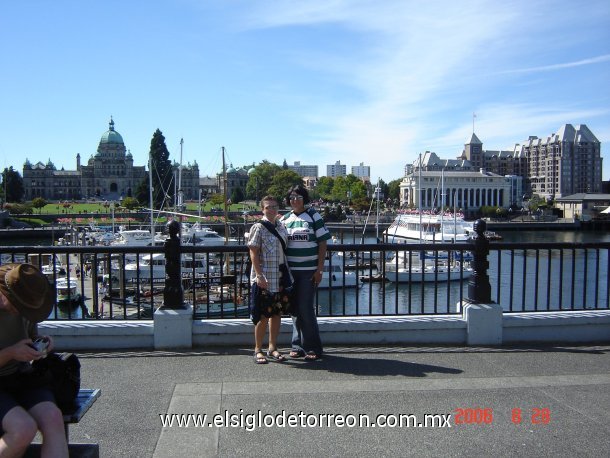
x=111, y=135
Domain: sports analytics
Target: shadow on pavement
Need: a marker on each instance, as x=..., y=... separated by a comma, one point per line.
x=370, y=366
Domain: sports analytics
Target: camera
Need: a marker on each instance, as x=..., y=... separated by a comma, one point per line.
x=41, y=345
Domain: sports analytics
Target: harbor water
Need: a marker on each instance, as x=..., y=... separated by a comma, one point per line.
x=510, y=287
x=518, y=282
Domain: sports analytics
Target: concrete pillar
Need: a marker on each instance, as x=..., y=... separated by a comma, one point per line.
x=173, y=328
x=483, y=323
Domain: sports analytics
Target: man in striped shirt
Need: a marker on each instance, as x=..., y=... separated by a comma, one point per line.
x=306, y=250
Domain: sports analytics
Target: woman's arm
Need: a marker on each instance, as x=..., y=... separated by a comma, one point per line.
x=261, y=280
x=20, y=351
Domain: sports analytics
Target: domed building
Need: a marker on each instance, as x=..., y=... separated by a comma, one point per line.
x=109, y=174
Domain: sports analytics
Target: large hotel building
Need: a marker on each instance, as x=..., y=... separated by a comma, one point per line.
x=564, y=163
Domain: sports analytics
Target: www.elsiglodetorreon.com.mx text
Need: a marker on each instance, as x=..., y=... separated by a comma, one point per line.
x=252, y=421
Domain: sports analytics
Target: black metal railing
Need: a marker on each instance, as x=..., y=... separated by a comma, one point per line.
x=362, y=279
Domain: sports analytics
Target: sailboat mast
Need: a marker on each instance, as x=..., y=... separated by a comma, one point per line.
x=419, y=203
x=455, y=216
x=180, y=194
x=224, y=193
x=150, y=191
x=442, y=205
x=377, y=192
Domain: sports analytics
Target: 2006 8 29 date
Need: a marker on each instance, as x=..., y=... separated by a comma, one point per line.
x=478, y=416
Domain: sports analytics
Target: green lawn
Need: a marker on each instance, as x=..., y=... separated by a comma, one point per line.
x=99, y=208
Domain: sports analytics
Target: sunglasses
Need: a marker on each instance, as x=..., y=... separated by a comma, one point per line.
x=296, y=197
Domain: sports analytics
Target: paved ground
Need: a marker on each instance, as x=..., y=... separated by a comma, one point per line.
x=562, y=393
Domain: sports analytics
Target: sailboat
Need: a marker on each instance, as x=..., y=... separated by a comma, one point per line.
x=420, y=227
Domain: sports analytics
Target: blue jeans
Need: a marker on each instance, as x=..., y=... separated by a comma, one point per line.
x=305, y=331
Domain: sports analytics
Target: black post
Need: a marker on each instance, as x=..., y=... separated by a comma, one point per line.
x=173, y=296
x=479, y=289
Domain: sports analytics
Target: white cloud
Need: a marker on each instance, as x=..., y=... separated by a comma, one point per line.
x=547, y=68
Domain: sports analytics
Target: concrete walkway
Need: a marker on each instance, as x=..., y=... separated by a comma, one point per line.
x=562, y=393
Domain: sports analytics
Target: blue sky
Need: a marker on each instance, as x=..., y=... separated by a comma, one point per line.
x=376, y=81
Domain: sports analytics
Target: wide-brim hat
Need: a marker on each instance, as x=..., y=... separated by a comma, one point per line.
x=28, y=290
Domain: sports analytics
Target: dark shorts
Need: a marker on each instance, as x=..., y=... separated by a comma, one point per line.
x=20, y=390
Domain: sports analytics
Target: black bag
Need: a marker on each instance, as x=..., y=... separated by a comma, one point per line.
x=263, y=303
x=286, y=281
x=61, y=373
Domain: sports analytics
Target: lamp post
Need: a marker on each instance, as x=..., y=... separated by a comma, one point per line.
x=199, y=202
x=112, y=210
x=252, y=173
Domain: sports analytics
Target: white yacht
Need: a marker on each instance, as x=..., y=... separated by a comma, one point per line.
x=204, y=236
x=334, y=271
x=138, y=237
x=405, y=267
x=67, y=294
x=155, y=263
x=425, y=227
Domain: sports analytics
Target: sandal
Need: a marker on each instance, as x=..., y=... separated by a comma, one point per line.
x=276, y=356
x=260, y=359
x=311, y=356
x=296, y=354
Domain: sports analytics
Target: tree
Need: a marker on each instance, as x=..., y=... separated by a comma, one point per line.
x=535, y=202
x=130, y=203
x=338, y=192
x=12, y=183
x=216, y=199
x=385, y=189
x=237, y=195
x=356, y=187
x=394, y=189
x=324, y=188
x=282, y=182
x=261, y=178
x=39, y=203
x=162, y=174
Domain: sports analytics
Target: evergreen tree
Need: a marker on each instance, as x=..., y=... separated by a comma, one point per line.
x=12, y=184
x=237, y=196
x=162, y=175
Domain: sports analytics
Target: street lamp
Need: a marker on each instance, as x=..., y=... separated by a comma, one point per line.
x=252, y=173
x=112, y=204
x=199, y=201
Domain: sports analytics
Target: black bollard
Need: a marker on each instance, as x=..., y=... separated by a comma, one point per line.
x=479, y=289
x=173, y=295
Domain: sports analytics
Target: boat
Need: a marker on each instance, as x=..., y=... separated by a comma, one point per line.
x=428, y=227
x=154, y=264
x=333, y=270
x=414, y=226
x=98, y=235
x=67, y=294
x=137, y=237
x=53, y=267
x=374, y=278
x=491, y=235
x=199, y=235
x=424, y=270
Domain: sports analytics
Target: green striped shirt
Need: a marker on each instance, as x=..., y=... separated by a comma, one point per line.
x=305, y=232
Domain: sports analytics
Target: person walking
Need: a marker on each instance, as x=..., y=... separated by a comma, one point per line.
x=306, y=250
